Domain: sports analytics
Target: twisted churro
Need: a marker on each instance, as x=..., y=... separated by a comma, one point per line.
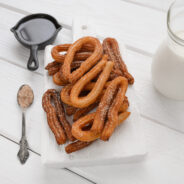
x=52, y=118
x=66, y=90
x=86, y=52
x=82, y=112
x=106, y=101
x=54, y=66
x=90, y=135
x=79, y=133
x=65, y=70
x=76, y=146
x=61, y=114
x=111, y=48
x=109, y=129
x=54, y=70
x=55, y=52
x=110, y=125
x=82, y=102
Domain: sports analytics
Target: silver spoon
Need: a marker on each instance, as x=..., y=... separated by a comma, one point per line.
x=25, y=98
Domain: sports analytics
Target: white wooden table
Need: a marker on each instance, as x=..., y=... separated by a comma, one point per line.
x=143, y=24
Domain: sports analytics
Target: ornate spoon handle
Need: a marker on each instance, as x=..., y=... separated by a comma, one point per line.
x=23, y=153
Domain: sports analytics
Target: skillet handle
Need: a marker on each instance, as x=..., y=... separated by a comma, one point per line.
x=33, y=63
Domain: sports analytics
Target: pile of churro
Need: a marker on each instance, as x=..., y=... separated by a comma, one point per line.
x=93, y=77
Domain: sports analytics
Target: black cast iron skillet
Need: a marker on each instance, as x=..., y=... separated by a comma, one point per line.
x=35, y=32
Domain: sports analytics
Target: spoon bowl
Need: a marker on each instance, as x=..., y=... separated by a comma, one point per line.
x=25, y=96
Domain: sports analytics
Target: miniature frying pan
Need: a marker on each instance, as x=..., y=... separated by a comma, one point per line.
x=35, y=32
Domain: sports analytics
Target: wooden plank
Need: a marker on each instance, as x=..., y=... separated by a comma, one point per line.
x=12, y=172
x=11, y=50
x=156, y=4
x=163, y=164
x=12, y=77
x=138, y=26
x=44, y=7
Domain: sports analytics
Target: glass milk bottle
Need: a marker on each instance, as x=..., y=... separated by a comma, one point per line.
x=168, y=62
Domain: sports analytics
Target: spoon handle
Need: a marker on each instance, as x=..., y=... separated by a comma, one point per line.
x=23, y=153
